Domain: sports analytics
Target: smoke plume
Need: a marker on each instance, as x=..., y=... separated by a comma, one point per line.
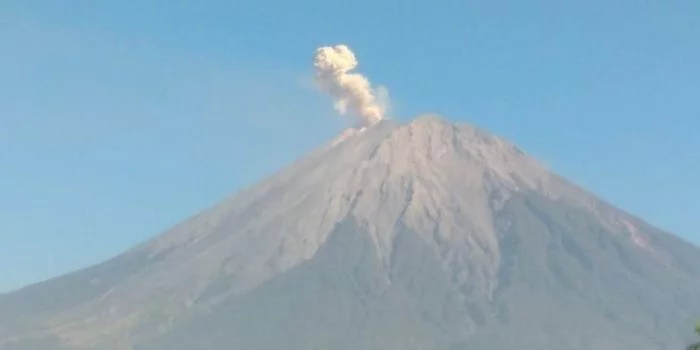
x=351, y=92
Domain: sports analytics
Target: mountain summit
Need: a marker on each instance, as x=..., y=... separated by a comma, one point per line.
x=425, y=235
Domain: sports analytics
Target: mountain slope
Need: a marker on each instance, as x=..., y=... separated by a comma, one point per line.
x=425, y=235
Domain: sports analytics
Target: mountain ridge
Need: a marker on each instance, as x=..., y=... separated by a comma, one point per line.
x=486, y=219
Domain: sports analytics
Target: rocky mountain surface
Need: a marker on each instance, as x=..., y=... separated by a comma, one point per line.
x=424, y=235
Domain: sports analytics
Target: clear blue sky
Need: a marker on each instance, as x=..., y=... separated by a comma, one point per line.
x=118, y=119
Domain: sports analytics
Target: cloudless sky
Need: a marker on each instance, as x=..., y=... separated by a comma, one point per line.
x=119, y=119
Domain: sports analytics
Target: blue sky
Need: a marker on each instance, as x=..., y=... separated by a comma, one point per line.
x=119, y=119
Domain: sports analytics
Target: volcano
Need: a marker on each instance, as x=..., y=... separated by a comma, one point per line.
x=419, y=235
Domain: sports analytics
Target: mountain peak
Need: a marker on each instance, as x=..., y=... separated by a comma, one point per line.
x=432, y=137
x=439, y=230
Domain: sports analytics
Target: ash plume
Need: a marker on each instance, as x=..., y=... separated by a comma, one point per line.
x=351, y=92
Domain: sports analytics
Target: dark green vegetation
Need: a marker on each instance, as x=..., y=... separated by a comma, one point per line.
x=695, y=346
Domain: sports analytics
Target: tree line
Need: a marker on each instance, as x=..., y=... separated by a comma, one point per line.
x=695, y=346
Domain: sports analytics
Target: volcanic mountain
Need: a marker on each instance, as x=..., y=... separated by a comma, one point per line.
x=423, y=235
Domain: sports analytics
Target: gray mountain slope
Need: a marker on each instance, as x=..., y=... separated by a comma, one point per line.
x=341, y=299
x=428, y=235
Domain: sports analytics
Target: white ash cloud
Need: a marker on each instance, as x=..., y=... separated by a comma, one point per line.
x=352, y=92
